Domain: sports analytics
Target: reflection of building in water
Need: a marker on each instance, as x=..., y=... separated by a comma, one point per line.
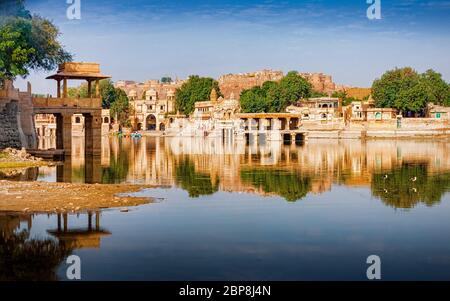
x=238, y=167
x=79, y=168
x=69, y=237
x=9, y=223
x=79, y=238
x=46, y=125
x=149, y=160
x=324, y=161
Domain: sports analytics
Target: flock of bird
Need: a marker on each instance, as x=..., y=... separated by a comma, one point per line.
x=413, y=179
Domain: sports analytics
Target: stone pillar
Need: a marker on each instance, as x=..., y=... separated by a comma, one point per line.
x=274, y=133
x=262, y=125
x=97, y=88
x=64, y=133
x=89, y=88
x=93, y=134
x=65, y=88
x=67, y=134
x=59, y=131
x=58, y=91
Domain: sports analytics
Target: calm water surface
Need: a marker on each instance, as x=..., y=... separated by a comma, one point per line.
x=231, y=211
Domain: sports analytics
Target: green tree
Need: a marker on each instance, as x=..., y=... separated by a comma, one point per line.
x=275, y=97
x=412, y=99
x=254, y=100
x=437, y=89
x=28, y=42
x=15, y=53
x=315, y=93
x=293, y=87
x=166, y=80
x=408, y=91
x=386, y=89
x=108, y=92
x=121, y=109
x=195, y=89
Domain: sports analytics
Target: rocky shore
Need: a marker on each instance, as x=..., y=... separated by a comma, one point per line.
x=42, y=197
x=17, y=158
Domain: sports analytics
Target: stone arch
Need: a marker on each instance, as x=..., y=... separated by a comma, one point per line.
x=77, y=119
x=106, y=120
x=150, y=123
x=162, y=127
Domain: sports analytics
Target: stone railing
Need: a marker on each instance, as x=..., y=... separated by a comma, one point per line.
x=87, y=103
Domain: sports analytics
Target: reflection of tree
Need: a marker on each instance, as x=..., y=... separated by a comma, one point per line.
x=27, y=259
x=290, y=186
x=195, y=183
x=409, y=185
x=118, y=166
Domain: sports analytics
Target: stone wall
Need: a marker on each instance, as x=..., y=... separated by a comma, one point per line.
x=9, y=132
x=235, y=83
x=321, y=82
x=16, y=118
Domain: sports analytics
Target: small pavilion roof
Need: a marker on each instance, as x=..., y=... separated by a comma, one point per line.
x=87, y=71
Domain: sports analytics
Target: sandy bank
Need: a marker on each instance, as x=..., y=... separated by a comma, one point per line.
x=65, y=197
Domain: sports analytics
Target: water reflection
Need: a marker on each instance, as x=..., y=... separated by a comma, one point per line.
x=205, y=166
x=25, y=258
x=36, y=258
x=410, y=184
x=289, y=185
x=195, y=183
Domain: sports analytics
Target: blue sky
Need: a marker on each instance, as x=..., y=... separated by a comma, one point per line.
x=141, y=40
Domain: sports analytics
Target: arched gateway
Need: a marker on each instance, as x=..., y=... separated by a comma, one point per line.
x=150, y=123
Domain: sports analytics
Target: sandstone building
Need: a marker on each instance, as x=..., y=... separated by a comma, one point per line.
x=152, y=102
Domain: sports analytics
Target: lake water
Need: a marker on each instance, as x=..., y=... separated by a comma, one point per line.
x=231, y=211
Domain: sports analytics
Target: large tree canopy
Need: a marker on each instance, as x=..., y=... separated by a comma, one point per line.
x=275, y=96
x=195, y=89
x=409, y=91
x=15, y=52
x=27, y=42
